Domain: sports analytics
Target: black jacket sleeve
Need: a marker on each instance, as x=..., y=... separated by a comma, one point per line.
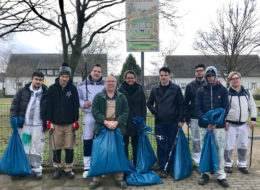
x=225, y=101
x=15, y=106
x=150, y=103
x=76, y=103
x=50, y=104
x=181, y=105
x=143, y=99
x=187, y=99
x=199, y=108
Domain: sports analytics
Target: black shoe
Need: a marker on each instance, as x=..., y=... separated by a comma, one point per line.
x=38, y=175
x=204, y=179
x=223, y=182
x=120, y=183
x=228, y=170
x=57, y=173
x=94, y=184
x=70, y=174
x=162, y=174
x=244, y=170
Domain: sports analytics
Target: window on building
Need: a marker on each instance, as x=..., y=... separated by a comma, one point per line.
x=56, y=72
x=50, y=72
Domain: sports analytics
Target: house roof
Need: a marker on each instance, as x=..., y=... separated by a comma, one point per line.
x=23, y=65
x=182, y=66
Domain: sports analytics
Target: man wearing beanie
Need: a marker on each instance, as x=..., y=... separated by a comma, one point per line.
x=62, y=116
x=210, y=96
x=242, y=106
x=87, y=91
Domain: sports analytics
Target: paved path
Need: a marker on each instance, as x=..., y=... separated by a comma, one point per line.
x=237, y=180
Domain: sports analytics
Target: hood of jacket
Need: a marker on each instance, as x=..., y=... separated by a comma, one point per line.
x=210, y=70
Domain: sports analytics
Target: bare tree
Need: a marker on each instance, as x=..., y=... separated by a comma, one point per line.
x=233, y=37
x=80, y=19
x=16, y=18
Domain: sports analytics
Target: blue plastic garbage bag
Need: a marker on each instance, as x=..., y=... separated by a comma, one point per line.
x=14, y=161
x=182, y=162
x=215, y=116
x=145, y=154
x=132, y=177
x=209, y=154
x=108, y=154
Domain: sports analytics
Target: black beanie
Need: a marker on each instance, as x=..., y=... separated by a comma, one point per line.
x=65, y=69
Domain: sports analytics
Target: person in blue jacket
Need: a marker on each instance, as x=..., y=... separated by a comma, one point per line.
x=210, y=96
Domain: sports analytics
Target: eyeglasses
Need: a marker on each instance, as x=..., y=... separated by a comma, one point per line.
x=237, y=78
x=197, y=71
x=111, y=81
x=130, y=78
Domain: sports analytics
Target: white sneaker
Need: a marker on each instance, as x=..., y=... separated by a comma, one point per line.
x=85, y=174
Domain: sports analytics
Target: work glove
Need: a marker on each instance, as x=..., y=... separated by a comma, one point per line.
x=49, y=125
x=75, y=126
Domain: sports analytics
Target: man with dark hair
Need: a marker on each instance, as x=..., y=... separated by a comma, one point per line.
x=137, y=107
x=87, y=91
x=210, y=96
x=63, y=115
x=166, y=102
x=30, y=102
x=190, y=115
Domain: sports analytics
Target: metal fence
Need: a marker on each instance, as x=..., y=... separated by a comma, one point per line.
x=6, y=130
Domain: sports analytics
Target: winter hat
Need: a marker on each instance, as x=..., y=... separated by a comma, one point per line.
x=65, y=69
x=233, y=73
x=210, y=71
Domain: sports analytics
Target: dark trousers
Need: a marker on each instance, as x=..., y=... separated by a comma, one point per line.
x=165, y=137
x=134, y=142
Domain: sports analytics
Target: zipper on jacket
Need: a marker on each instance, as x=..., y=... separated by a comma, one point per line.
x=211, y=99
x=239, y=108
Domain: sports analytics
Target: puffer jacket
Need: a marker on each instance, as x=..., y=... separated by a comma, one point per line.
x=22, y=99
x=242, y=105
x=210, y=97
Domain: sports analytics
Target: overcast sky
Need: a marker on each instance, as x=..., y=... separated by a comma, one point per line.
x=195, y=15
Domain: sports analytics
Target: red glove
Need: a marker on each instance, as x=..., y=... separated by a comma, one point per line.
x=49, y=125
x=75, y=126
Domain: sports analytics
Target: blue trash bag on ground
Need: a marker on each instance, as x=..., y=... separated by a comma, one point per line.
x=209, y=154
x=132, y=177
x=14, y=161
x=215, y=116
x=108, y=154
x=145, y=154
x=182, y=162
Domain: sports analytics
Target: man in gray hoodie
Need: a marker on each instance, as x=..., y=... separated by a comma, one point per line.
x=87, y=91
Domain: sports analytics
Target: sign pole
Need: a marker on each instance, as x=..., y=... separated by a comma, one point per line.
x=142, y=68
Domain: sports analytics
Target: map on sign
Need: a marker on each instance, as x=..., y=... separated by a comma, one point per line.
x=142, y=25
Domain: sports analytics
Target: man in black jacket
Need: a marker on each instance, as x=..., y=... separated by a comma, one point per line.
x=169, y=115
x=190, y=115
x=63, y=115
x=30, y=103
x=137, y=107
x=210, y=96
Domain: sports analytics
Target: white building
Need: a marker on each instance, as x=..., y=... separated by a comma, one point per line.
x=182, y=67
x=21, y=66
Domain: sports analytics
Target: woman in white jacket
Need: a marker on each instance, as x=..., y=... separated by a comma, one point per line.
x=242, y=106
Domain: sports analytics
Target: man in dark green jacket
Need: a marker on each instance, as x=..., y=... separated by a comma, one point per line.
x=110, y=108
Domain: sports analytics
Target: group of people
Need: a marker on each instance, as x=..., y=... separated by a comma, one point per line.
x=102, y=103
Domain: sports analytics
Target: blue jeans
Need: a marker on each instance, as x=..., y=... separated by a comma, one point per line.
x=165, y=137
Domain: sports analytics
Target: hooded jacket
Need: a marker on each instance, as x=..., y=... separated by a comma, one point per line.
x=87, y=90
x=63, y=103
x=210, y=97
x=21, y=100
